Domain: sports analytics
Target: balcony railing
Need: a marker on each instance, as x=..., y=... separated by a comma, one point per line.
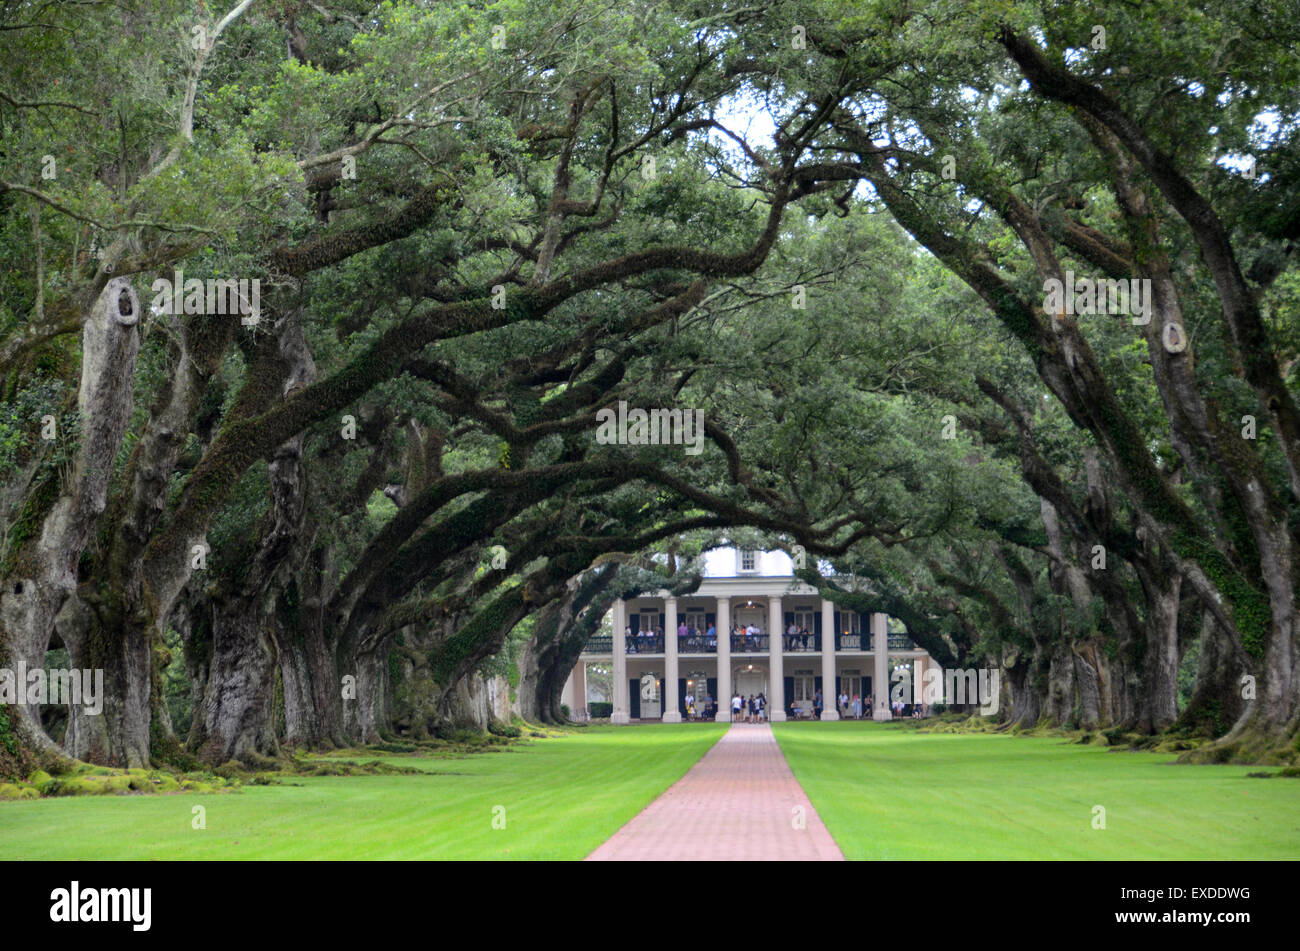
x=697, y=644
x=760, y=644
x=645, y=644
x=801, y=643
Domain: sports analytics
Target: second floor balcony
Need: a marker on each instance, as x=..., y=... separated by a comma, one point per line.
x=644, y=643
x=701, y=643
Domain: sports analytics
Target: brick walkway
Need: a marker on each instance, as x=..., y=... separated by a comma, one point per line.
x=738, y=802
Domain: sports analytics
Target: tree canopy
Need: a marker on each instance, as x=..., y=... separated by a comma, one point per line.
x=309, y=311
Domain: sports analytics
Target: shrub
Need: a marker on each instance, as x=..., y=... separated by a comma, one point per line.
x=601, y=711
x=497, y=728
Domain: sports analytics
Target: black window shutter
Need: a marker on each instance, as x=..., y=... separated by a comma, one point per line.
x=708, y=619
x=789, y=691
x=636, y=622
x=661, y=622
x=681, y=697
x=634, y=698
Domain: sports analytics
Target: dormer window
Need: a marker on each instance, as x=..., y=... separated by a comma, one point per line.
x=748, y=560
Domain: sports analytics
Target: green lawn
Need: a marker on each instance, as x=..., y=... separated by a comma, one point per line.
x=888, y=792
x=562, y=797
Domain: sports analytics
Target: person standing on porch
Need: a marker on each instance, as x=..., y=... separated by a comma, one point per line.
x=735, y=707
x=857, y=707
x=817, y=705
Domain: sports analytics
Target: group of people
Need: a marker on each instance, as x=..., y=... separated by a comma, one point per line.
x=799, y=639
x=753, y=709
x=701, y=709
x=692, y=640
x=748, y=710
x=854, y=707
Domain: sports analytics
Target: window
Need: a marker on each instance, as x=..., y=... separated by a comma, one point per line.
x=803, y=685
x=847, y=624
x=748, y=560
x=649, y=688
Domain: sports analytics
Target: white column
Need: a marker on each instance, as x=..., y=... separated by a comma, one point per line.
x=670, y=712
x=776, y=631
x=830, y=697
x=620, y=714
x=724, y=661
x=880, y=679
x=918, y=679
x=566, y=693
x=578, y=707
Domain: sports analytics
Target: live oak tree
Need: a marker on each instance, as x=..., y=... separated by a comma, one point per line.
x=476, y=225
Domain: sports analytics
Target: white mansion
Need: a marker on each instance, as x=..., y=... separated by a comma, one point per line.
x=795, y=644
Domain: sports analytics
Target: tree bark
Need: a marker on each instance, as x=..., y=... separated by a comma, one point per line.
x=44, y=575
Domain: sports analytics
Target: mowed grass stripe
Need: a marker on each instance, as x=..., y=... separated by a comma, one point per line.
x=562, y=797
x=888, y=792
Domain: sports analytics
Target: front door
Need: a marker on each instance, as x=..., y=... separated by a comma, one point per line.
x=802, y=690
x=651, y=697
x=851, y=684
x=750, y=683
